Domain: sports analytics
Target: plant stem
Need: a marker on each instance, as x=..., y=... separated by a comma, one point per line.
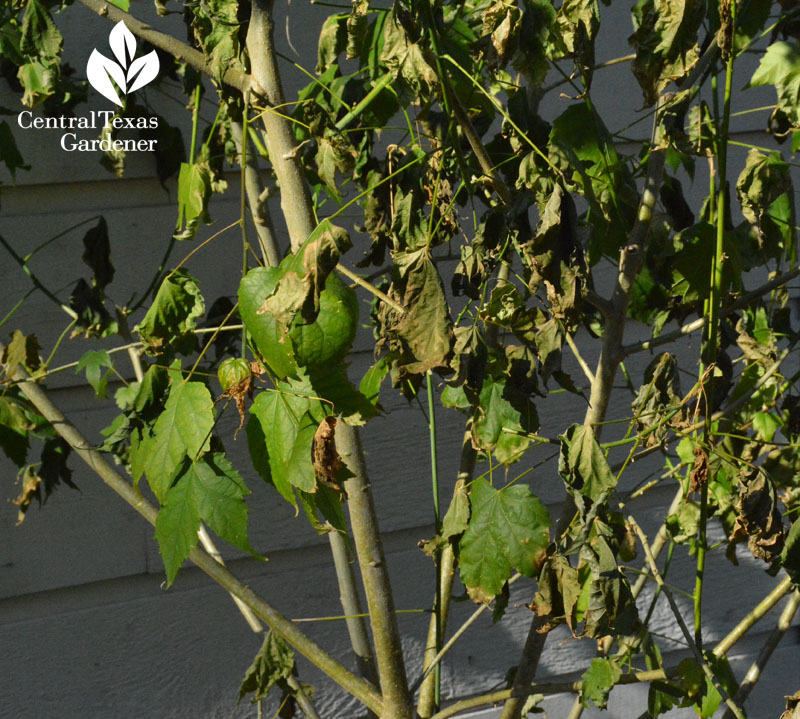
x=737, y=712
x=298, y=212
x=782, y=588
x=351, y=604
x=364, y=523
x=754, y=673
x=438, y=609
x=713, y=309
x=744, y=301
x=295, y=198
x=356, y=686
x=526, y=671
x=446, y=573
x=262, y=219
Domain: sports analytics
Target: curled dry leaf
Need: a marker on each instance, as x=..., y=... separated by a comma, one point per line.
x=30, y=491
x=326, y=460
x=759, y=516
x=699, y=476
x=792, y=707
x=237, y=392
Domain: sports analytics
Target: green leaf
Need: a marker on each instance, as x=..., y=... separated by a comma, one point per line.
x=9, y=153
x=93, y=363
x=780, y=67
x=40, y=36
x=172, y=317
x=455, y=521
x=766, y=196
x=209, y=490
x=503, y=420
x=577, y=23
x=665, y=39
x=257, y=445
x=288, y=423
x=38, y=80
x=582, y=464
x=121, y=4
x=507, y=529
x=659, y=396
x=343, y=399
x=194, y=192
x=14, y=428
x=273, y=664
x=370, y=385
x=598, y=680
x=332, y=41
x=182, y=430
x=217, y=27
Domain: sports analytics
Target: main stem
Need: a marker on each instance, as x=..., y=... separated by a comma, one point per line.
x=369, y=547
x=298, y=212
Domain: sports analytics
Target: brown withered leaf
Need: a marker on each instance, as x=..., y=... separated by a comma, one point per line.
x=659, y=394
x=22, y=351
x=326, y=460
x=557, y=595
x=699, y=475
x=759, y=516
x=238, y=392
x=792, y=707
x=30, y=491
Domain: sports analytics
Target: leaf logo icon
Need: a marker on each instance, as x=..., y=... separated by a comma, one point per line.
x=128, y=73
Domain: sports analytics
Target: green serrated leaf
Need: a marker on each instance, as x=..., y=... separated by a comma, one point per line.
x=503, y=420
x=780, y=67
x=370, y=385
x=407, y=60
x=194, y=192
x=507, y=529
x=93, y=362
x=40, y=37
x=209, y=490
x=598, y=680
x=182, y=430
x=288, y=423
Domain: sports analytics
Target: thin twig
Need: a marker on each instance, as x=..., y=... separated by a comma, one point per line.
x=744, y=301
x=579, y=357
x=754, y=673
x=737, y=712
x=361, y=282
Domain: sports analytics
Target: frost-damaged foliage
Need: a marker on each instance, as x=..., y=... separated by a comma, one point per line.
x=458, y=154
